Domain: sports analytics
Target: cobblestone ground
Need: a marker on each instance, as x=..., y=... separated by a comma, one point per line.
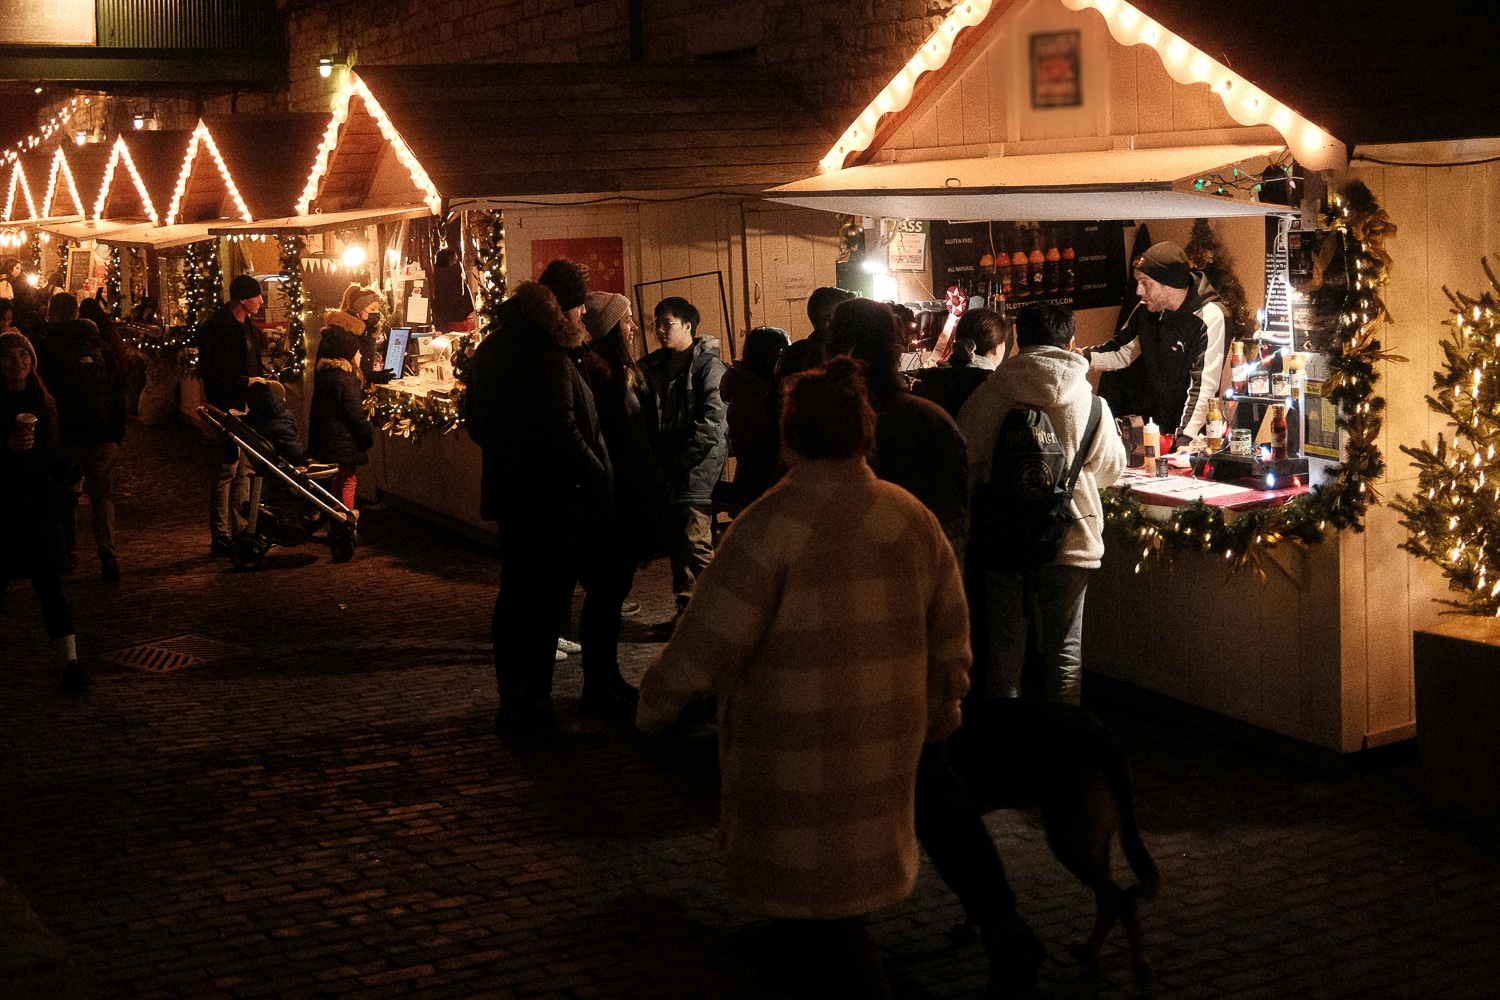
x=319, y=808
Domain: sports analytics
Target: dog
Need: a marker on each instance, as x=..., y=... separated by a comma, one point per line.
x=1024, y=753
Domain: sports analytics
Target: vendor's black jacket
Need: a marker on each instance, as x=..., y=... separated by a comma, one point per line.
x=228, y=357
x=83, y=375
x=688, y=420
x=1182, y=366
x=337, y=428
x=530, y=411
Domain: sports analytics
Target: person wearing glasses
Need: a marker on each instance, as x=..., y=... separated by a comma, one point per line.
x=690, y=431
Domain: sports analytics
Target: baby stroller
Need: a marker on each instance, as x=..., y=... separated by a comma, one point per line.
x=288, y=504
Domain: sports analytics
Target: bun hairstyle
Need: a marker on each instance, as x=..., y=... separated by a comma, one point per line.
x=826, y=412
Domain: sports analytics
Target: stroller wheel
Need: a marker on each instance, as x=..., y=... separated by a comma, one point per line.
x=341, y=542
x=248, y=552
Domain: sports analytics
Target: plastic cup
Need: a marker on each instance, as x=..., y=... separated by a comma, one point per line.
x=26, y=421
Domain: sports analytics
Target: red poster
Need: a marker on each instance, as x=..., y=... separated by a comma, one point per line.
x=603, y=256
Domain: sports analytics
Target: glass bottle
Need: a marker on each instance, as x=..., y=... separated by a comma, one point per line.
x=1053, y=267
x=1038, y=263
x=1239, y=370
x=1278, y=432
x=1069, y=269
x=1020, y=271
x=1213, y=426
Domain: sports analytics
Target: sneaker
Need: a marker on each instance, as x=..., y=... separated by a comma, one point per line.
x=630, y=609
x=73, y=677
x=568, y=645
x=109, y=569
x=559, y=656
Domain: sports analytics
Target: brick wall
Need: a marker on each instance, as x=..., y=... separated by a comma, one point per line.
x=834, y=54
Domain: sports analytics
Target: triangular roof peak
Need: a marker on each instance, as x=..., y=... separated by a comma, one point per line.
x=18, y=185
x=202, y=147
x=361, y=122
x=119, y=156
x=60, y=182
x=976, y=29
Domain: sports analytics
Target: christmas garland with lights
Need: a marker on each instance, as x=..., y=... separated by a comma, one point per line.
x=296, y=328
x=204, y=281
x=402, y=414
x=112, y=283
x=1359, y=229
x=1452, y=515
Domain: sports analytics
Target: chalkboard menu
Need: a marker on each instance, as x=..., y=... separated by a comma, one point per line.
x=1080, y=265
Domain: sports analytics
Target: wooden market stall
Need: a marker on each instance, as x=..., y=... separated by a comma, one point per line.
x=1079, y=110
x=648, y=174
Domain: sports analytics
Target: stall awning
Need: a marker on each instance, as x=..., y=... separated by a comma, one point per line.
x=1045, y=187
x=327, y=222
x=40, y=223
x=89, y=229
x=157, y=237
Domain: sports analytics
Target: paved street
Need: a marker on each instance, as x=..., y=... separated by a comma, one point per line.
x=315, y=805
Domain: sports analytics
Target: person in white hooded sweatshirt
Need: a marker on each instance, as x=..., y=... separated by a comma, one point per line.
x=1045, y=373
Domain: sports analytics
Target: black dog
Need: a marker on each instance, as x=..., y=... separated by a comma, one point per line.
x=1023, y=753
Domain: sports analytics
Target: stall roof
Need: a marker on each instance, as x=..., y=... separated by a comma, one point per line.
x=266, y=186
x=489, y=133
x=87, y=229
x=19, y=198
x=326, y=222
x=86, y=164
x=156, y=237
x=152, y=162
x=1113, y=183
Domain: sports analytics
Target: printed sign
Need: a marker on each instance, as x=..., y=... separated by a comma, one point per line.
x=908, y=247
x=1055, y=71
x=1080, y=265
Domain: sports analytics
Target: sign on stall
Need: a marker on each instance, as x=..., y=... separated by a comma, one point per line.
x=908, y=247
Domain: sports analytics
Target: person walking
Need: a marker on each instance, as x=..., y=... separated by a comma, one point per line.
x=229, y=360
x=691, y=436
x=81, y=370
x=836, y=646
x=31, y=539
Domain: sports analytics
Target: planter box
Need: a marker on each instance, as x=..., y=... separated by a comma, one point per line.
x=1457, y=669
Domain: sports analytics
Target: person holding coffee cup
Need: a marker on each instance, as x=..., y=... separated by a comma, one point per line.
x=31, y=473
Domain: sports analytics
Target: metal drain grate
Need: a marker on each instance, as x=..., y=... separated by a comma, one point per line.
x=162, y=656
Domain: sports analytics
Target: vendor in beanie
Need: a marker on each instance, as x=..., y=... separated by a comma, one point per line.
x=1178, y=332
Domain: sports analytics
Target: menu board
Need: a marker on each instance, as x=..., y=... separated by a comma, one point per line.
x=1081, y=265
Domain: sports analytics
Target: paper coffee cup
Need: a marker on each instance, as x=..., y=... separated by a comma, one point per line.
x=26, y=421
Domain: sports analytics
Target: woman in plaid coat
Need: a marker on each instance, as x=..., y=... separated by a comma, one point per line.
x=831, y=627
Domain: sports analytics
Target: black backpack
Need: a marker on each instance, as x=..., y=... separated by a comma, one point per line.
x=1022, y=514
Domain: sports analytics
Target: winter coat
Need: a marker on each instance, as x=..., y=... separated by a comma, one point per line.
x=337, y=428
x=754, y=419
x=528, y=408
x=82, y=372
x=688, y=421
x=1183, y=353
x=950, y=387
x=640, y=493
x=371, y=356
x=1056, y=381
x=832, y=628
x=31, y=534
x=229, y=355
x=919, y=448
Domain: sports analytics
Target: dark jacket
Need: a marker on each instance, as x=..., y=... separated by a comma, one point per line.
x=272, y=419
x=371, y=357
x=950, y=387
x=31, y=538
x=229, y=353
x=754, y=418
x=337, y=428
x=640, y=493
x=528, y=408
x=81, y=371
x=1182, y=358
x=689, y=426
x=919, y=448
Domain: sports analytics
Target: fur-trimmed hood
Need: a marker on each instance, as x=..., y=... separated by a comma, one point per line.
x=533, y=307
x=344, y=321
x=339, y=363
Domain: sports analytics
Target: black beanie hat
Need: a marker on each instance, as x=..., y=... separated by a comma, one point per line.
x=243, y=287
x=1165, y=264
x=568, y=282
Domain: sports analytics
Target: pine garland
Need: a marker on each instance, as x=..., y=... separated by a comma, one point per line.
x=112, y=283
x=489, y=231
x=1454, y=514
x=205, y=282
x=1359, y=228
x=402, y=414
x=296, y=328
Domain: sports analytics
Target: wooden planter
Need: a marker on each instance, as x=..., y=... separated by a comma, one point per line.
x=1457, y=670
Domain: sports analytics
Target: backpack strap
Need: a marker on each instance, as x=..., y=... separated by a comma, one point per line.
x=1085, y=444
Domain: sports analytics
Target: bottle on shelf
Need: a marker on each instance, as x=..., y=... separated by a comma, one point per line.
x=1038, y=265
x=1151, y=440
x=1239, y=369
x=1052, y=267
x=1278, y=432
x=1002, y=268
x=1020, y=271
x=1069, y=269
x=1213, y=425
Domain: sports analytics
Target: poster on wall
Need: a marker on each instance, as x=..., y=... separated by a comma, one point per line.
x=1080, y=265
x=1319, y=287
x=1055, y=73
x=603, y=256
x=907, y=250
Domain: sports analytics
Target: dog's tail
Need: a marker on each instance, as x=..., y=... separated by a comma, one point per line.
x=1141, y=862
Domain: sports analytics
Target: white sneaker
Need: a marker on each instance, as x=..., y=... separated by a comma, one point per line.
x=559, y=656
x=566, y=646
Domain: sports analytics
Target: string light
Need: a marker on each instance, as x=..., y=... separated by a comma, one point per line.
x=18, y=182
x=341, y=110
x=121, y=154
x=201, y=136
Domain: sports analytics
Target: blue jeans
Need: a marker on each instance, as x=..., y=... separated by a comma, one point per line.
x=1049, y=602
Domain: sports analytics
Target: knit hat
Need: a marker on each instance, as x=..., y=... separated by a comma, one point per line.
x=568, y=281
x=338, y=343
x=604, y=310
x=1165, y=264
x=11, y=340
x=243, y=287
x=362, y=300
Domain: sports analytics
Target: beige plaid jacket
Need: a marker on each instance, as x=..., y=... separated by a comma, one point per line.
x=832, y=628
